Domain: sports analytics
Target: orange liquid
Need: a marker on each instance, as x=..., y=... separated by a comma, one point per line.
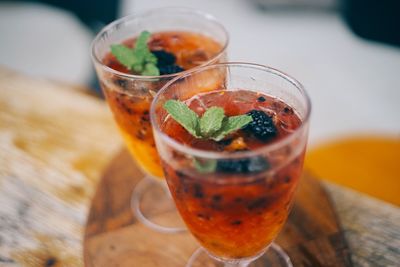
x=231, y=215
x=130, y=100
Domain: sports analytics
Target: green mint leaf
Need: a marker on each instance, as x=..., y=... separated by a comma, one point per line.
x=143, y=52
x=150, y=70
x=141, y=41
x=211, y=121
x=184, y=116
x=213, y=124
x=205, y=166
x=231, y=124
x=139, y=59
x=138, y=67
x=151, y=58
x=124, y=55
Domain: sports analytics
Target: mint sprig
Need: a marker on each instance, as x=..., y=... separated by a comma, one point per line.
x=211, y=121
x=139, y=59
x=184, y=116
x=212, y=125
x=231, y=124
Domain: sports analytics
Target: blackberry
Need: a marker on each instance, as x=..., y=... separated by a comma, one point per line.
x=248, y=165
x=164, y=58
x=258, y=164
x=262, y=125
x=170, y=69
x=166, y=62
x=233, y=166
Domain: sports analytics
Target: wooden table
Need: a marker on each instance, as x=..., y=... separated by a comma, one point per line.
x=54, y=144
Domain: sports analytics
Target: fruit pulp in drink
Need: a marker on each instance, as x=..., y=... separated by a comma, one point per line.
x=130, y=98
x=237, y=210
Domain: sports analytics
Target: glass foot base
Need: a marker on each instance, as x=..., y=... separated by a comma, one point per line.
x=153, y=206
x=273, y=257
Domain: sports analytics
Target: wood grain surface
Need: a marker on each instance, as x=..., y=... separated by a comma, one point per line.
x=311, y=237
x=54, y=143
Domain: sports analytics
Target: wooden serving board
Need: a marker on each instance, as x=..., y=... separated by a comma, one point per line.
x=312, y=236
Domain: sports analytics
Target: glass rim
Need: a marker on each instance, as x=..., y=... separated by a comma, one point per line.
x=187, y=10
x=239, y=154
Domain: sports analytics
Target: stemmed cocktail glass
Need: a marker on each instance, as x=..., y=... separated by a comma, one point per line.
x=234, y=194
x=129, y=95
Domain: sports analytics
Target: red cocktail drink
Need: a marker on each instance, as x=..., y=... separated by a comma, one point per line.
x=233, y=189
x=234, y=217
x=130, y=103
x=134, y=57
